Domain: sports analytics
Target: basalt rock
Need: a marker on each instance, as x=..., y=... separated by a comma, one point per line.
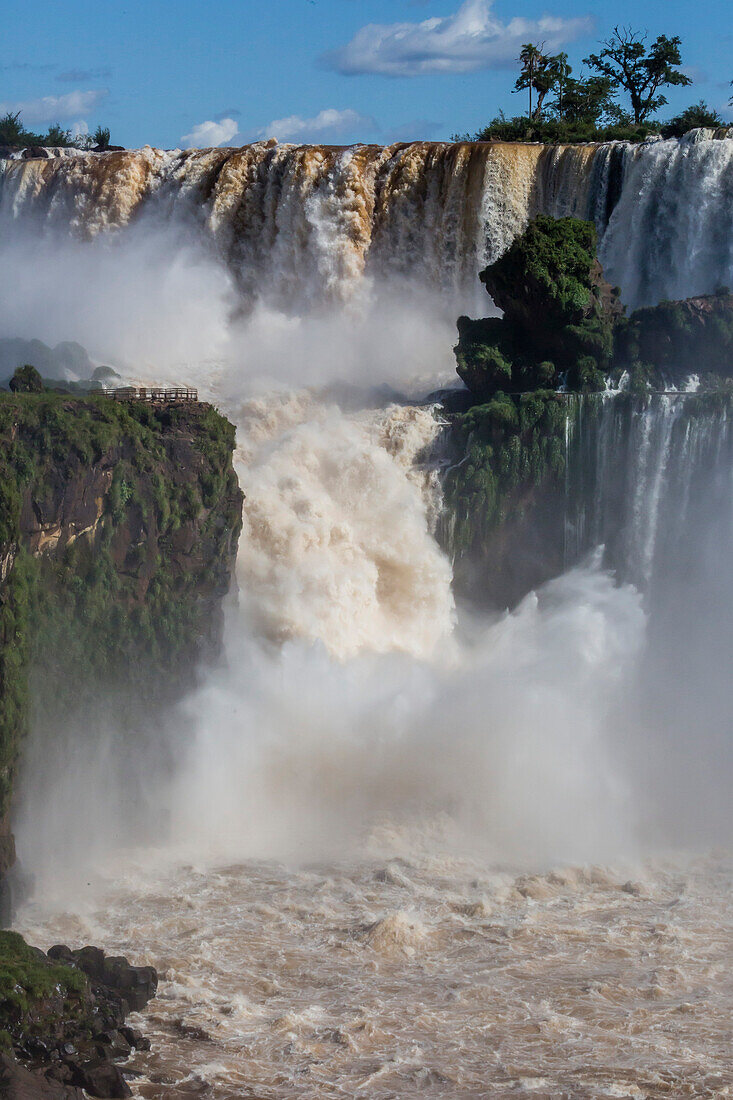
x=19, y=1083
x=64, y=1018
x=673, y=340
x=559, y=315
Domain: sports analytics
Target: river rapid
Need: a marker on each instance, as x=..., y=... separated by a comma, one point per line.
x=406, y=849
x=392, y=845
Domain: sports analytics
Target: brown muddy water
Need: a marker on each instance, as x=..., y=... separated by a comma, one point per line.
x=425, y=977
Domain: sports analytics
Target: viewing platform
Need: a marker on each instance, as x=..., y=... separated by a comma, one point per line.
x=177, y=395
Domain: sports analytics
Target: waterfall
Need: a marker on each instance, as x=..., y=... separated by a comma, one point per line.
x=299, y=226
x=639, y=473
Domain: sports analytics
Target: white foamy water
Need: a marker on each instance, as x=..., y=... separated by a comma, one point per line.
x=417, y=779
x=298, y=226
x=426, y=976
x=390, y=847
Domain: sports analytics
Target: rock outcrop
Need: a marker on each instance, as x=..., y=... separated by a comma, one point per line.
x=558, y=315
x=667, y=343
x=62, y=1020
x=118, y=532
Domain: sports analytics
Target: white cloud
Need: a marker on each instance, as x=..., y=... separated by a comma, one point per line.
x=471, y=39
x=208, y=135
x=328, y=123
x=56, y=108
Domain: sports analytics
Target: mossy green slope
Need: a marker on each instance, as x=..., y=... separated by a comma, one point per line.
x=118, y=530
x=558, y=315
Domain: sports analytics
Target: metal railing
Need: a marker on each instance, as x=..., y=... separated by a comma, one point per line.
x=156, y=396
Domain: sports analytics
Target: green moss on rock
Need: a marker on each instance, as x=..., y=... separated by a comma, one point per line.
x=118, y=532
x=29, y=980
x=509, y=465
x=559, y=315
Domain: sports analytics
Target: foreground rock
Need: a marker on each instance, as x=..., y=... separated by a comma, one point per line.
x=668, y=342
x=62, y=1020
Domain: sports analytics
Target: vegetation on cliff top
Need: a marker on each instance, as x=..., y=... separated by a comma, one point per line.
x=562, y=326
x=558, y=320
x=14, y=134
x=118, y=526
x=565, y=108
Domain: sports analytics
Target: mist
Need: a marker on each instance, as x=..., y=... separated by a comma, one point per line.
x=355, y=709
x=356, y=712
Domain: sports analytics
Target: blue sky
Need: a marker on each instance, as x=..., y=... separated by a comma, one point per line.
x=166, y=72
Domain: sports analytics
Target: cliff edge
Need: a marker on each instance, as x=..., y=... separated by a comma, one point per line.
x=119, y=524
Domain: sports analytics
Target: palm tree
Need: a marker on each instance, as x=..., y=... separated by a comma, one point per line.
x=530, y=59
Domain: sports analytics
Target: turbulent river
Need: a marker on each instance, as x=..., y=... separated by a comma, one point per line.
x=397, y=846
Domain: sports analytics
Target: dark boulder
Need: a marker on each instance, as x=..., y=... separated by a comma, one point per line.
x=18, y=1083
x=102, y=1079
x=136, y=984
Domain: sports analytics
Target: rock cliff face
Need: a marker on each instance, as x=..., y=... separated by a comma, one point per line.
x=118, y=532
x=558, y=315
x=672, y=340
x=62, y=1020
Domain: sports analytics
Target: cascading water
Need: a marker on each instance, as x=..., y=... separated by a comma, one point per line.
x=440, y=782
x=637, y=469
x=418, y=776
x=303, y=225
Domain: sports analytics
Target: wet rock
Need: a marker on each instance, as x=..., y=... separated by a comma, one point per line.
x=101, y=1079
x=137, y=984
x=191, y=1031
x=135, y=1038
x=18, y=1083
x=90, y=960
x=114, y=1044
x=60, y=953
x=74, y=1035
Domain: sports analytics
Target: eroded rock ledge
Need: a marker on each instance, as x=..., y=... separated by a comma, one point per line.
x=62, y=1020
x=119, y=525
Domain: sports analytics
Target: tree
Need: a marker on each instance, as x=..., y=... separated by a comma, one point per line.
x=11, y=129
x=101, y=137
x=626, y=61
x=26, y=380
x=562, y=71
x=56, y=136
x=531, y=59
x=698, y=115
x=584, y=101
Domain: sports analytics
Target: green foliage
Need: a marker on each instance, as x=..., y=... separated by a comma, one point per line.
x=641, y=72
x=562, y=131
x=694, y=117
x=101, y=137
x=28, y=977
x=563, y=108
x=661, y=345
x=14, y=134
x=553, y=258
x=558, y=315
x=506, y=449
x=26, y=380
x=123, y=606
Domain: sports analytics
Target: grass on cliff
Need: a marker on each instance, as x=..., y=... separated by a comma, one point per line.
x=27, y=975
x=124, y=606
x=506, y=448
